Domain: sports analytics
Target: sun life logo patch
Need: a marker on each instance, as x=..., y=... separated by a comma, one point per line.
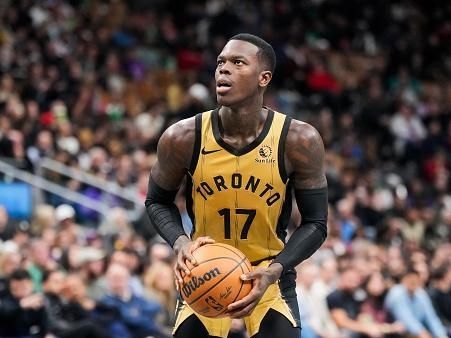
x=265, y=153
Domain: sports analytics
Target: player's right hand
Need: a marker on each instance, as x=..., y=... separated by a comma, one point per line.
x=184, y=248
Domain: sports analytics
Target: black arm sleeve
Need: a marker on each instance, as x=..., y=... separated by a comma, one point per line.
x=163, y=213
x=312, y=232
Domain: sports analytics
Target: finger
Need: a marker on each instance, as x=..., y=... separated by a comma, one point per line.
x=178, y=276
x=207, y=240
x=254, y=274
x=246, y=311
x=181, y=262
x=251, y=297
x=196, y=244
x=250, y=275
x=189, y=257
x=202, y=241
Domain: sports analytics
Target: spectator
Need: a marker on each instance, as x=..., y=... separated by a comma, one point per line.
x=74, y=291
x=39, y=261
x=69, y=232
x=344, y=304
x=410, y=304
x=131, y=260
x=115, y=226
x=314, y=313
x=10, y=260
x=7, y=225
x=66, y=318
x=408, y=130
x=372, y=311
x=136, y=314
x=440, y=293
x=160, y=251
x=159, y=285
x=43, y=219
x=91, y=265
x=22, y=312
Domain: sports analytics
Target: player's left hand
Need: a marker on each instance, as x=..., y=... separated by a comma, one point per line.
x=262, y=278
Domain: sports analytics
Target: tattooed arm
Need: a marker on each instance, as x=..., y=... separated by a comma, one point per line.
x=304, y=156
x=174, y=153
x=305, y=162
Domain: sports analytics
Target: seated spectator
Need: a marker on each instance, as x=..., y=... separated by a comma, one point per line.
x=67, y=318
x=136, y=315
x=159, y=284
x=7, y=225
x=10, y=260
x=344, y=304
x=314, y=314
x=91, y=267
x=372, y=310
x=69, y=232
x=75, y=291
x=131, y=260
x=39, y=261
x=408, y=130
x=22, y=313
x=411, y=305
x=43, y=218
x=440, y=293
x=160, y=251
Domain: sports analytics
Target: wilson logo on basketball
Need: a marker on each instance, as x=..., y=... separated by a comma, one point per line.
x=194, y=283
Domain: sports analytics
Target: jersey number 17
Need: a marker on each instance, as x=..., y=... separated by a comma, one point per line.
x=226, y=212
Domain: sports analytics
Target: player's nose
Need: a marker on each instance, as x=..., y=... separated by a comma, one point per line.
x=225, y=68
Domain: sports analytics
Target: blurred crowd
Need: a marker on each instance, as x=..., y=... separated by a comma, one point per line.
x=94, y=83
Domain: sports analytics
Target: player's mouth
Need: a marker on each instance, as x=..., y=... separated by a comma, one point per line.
x=223, y=86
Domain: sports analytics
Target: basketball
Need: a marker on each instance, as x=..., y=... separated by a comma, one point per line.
x=215, y=282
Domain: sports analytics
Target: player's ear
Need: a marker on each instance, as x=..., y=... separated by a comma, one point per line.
x=264, y=78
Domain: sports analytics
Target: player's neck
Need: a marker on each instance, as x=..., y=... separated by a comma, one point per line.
x=244, y=120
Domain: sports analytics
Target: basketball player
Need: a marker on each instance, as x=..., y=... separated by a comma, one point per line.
x=242, y=161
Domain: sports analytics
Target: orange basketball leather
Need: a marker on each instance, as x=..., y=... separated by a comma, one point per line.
x=215, y=282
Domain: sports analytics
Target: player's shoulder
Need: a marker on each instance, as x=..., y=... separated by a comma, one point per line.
x=300, y=131
x=179, y=139
x=183, y=130
x=180, y=130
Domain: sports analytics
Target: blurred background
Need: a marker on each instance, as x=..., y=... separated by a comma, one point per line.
x=88, y=86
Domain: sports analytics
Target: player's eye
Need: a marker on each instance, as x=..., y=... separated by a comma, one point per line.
x=238, y=62
x=219, y=63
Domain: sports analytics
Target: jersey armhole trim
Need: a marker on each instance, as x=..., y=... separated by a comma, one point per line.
x=281, y=151
x=197, y=143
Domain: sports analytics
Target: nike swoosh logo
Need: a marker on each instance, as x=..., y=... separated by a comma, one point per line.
x=206, y=152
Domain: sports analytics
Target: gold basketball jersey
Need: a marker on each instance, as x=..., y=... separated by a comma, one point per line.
x=238, y=196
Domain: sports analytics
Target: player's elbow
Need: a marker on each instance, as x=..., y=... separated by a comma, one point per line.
x=318, y=224
x=322, y=227
x=148, y=202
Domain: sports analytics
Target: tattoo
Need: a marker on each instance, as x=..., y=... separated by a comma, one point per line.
x=174, y=152
x=305, y=156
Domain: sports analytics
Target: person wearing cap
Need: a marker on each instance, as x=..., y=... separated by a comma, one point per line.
x=91, y=265
x=69, y=232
